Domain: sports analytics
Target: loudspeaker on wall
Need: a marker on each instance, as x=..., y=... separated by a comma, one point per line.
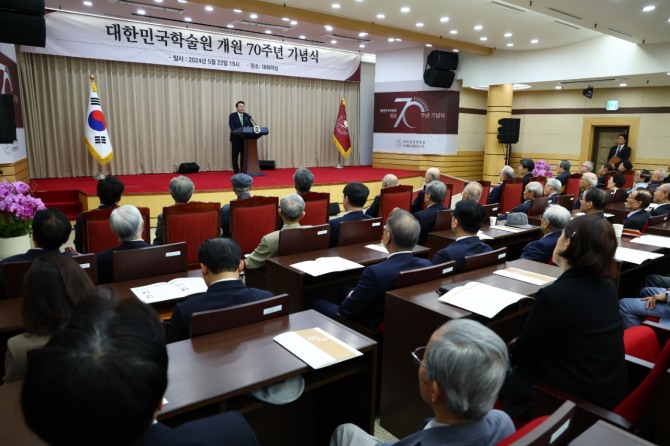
x=440, y=66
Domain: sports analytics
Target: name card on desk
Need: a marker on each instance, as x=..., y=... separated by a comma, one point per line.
x=525, y=276
x=325, y=265
x=480, y=298
x=316, y=347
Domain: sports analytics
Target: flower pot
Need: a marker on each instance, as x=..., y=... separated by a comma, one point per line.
x=14, y=245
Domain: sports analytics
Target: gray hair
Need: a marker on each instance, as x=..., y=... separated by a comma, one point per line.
x=588, y=165
x=474, y=191
x=554, y=184
x=507, y=172
x=303, y=179
x=292, y=206
x=535, y=187
x=404, y=229
x=181, y=189
x=437, y=191
x=665, y=188
x=126, y=222
x=469, y=362
x=662, y=173
x=590, y=178
x=433, y=173
x=565, y=164
x=557, y=217
x=389, y=180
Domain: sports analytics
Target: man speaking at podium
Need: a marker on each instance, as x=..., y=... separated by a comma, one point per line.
x=237, y=120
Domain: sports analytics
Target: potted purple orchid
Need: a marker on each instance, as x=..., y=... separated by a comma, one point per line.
x=542, y=169
x=17, y=209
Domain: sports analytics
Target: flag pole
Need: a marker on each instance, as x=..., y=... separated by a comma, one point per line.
x=341, y=135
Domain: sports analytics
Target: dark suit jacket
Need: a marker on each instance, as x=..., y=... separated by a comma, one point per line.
x=417, y=204
x=234, y=124
x=349, y=216
x=573, y=339
x=373, y=210
x=219, y=295
x=563, y=176
x=624, y=154
x=225, y=216
x=105, y=260
x=542, y=249
x=366, y=303
x=427, y=219
x=661, y=209
x=526, y=180
x=27, y=256
x=637, y=220
x=461, y=249
x=78, y=241
x=494, y=194
x=229, y=428
x=553, y=198
x=523, y=207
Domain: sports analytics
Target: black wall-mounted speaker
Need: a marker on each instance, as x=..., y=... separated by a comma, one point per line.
x=438, y=78
x=7, y=120
x=442, y=60
x=508, y=132
x=22, y=22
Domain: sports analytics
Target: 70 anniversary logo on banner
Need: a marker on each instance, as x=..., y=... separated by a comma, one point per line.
x=417, y=122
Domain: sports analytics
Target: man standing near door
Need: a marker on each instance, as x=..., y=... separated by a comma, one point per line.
x=620, y=150
x=237, y=120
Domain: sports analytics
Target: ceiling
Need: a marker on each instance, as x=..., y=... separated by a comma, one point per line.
x=514, y=25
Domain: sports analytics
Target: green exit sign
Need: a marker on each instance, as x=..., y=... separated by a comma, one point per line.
x=612, y=105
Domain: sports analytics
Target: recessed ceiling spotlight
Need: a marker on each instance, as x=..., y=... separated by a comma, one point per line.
x=478, y=27
x=285, y=19
x=293, y=22
x=510, y=44
x=336, y=6
x=483, y=38
x=209, y=8
x=454, y=50
x=623, y=85
x=253, y=16
x=648, y=8
x=301, y=37
x=398, y=40
x=362, y=34
x=381, y=16
x=444, y=19
x=141, y=12
x=419, y=25
x=182, y=1
x=188, y=19
x=534, y=41
x=359, y=1
x=230, y=26
x=362, y=45
x=333, y=41
x=558, y=87
x=158, y=1
x=429, y=45
x=405, y=9
x=87, y=3
x=267, y=31
x=328, y=28
x=520, y=86
x=238, y=11
x=508, y=34
x=391, y=39
x=453, y=31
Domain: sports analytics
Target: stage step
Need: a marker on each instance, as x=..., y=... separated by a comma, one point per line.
x=67, y=201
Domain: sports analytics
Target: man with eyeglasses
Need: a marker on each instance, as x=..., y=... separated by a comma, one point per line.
x=662, y=198
x=637, y=203
x=460, y=374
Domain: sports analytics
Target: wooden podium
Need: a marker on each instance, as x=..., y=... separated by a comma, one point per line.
x=250, y=158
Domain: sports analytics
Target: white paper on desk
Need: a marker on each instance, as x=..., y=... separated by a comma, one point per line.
x=316, y=347
x=481, y=299
x=174, y=289
x=483, y=236
x=325, y=265
x=508, y=228
x=634, y=255
x=378, y=247
x=653, y=240
x=525, y=276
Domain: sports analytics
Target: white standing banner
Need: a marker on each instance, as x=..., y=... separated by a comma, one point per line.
x=93, y=37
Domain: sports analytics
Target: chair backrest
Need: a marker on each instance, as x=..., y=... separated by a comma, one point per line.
x=572, y=184
x=97, y=235
x=567, y=201
x=486, y=188
x=443, y=220
x=641, y=342
x=192, y=223
x=491, y=210
x=483, y=260
x=629, y=175
x=206, y=322
x=89, y=263
x=361, y=231
x=538, y=205
x=394, y=197
x=448, y=195
x=546, y=430
x=426, y=274
x=656, y=220
x=540, y=179
x=151, y=261
x=303, y=239
x=251, y=219
x=510, y=197
x=620, y=195
x=316, y=208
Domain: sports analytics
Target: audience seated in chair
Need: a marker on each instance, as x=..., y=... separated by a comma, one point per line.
x=563, y=171
x=106, y=371
x=109, y=191
x=365, y=303
x=637, y=203
x=460, y=373
x=389, y=180
x=552, y=189
x=594, y=201
x=303, y=179
x=552, y=223
x=531, y=191
x=181, y=189
x=434, y=196
x=525, y=170
x=588, y=180
x=587, y=166
x=641, y=179
x=221, y=264
x=126, y=222
x=241, y=186
x=432, y=174
x=354, y=197
x=662, y=198
x=616, y=182
x=507, y=172
x=51, y=230
x=291, y=210
x=466, y=222
x=658, y=177
x=653, y=302
x=472, y=191
x=54, y=285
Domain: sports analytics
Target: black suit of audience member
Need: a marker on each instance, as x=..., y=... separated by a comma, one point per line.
x=109, y=191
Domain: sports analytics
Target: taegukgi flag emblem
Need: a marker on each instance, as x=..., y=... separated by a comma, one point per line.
x=96, y=136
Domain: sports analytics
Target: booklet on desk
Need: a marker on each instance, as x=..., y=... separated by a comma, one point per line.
x=316, y=347
x=481, y=299
x=325, y=265
x=174, y=289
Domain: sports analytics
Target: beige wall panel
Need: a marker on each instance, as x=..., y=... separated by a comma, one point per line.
x=470, y=98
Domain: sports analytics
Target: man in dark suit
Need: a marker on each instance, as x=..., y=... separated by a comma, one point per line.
x=365, y=303
x=525, y=169
x=563, y=171
x=494, y=195
x=181, y=189
x=594, y=202
x=434, y=196
x=355, y=196
x=242, y=187
x=532, y=191
x=552, y=189
x=466, y=222
x=236, y=120
x=662, y=198
x=109, y=191
x=106, y=371
x=126, y=222
x=588, y=180
x=553, y=221
x=460, y=371
x=389, y=180
x=221, y=264
x=432, y=174
x=657, y=178
x=637, y=203
x=620, y=150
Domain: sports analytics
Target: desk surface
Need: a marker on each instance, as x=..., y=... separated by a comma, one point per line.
x=606, y=434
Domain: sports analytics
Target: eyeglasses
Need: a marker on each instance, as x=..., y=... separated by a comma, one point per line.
x=418, y=354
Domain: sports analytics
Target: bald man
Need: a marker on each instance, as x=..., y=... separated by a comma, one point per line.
x=389, y=180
